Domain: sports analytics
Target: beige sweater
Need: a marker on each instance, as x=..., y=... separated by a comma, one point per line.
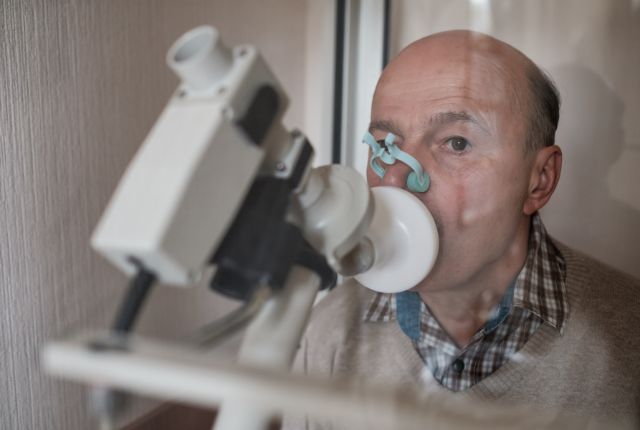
x=592, y=368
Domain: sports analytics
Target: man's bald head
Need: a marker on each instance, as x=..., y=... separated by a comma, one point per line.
x=466, y=106
x=533, y=94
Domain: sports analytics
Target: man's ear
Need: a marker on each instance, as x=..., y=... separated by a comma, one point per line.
x=545, y=174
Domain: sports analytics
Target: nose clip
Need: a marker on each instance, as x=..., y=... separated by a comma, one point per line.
x=418, y=180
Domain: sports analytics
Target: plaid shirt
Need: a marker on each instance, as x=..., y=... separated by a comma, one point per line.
x=537, y=296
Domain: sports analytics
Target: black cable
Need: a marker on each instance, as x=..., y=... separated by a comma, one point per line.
x=133, y=300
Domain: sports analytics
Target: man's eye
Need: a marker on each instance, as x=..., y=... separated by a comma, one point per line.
x=458, y=143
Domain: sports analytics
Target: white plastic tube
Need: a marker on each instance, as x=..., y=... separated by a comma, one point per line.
x=165, y=372
x=199, y=58
x=270, y=342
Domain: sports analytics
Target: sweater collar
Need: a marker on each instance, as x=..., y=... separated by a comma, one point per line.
x=541, y=284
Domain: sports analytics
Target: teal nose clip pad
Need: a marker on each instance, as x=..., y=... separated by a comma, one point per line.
x=417, y=181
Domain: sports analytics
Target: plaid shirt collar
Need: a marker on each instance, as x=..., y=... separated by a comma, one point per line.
x=540, y=285
x=538, y=295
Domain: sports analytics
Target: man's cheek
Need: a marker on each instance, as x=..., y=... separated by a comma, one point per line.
x=477, y=210
x=481, y=199
x=454, y=205
x=442, y=206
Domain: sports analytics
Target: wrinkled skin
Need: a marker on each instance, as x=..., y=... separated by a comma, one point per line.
x=484, y=187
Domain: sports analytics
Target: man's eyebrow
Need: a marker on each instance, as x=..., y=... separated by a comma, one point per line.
x=384, y=125
x=444, y=118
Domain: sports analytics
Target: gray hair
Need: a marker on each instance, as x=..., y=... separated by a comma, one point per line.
x=544, y=110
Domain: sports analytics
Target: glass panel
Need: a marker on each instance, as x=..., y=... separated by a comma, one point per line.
x=591, y=49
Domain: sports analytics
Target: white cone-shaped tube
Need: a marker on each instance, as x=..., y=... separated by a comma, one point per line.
x=199, y=58
x=405, y=241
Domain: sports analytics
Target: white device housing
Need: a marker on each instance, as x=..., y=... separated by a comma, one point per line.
x=185, y=184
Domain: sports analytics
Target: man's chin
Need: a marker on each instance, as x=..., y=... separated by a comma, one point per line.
x=440, y=279
x=430, y=284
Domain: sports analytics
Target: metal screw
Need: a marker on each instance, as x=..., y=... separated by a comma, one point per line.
x=280, y=166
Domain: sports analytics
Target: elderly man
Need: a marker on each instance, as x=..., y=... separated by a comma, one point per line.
x=506, y=313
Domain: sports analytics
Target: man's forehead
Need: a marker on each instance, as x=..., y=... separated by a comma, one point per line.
x=468, y=44
x=436, y=119
x=459, y=83
x=437, y=101
x=474, y=75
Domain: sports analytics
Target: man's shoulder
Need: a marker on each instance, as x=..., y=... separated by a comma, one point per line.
x=596, y=279
x=339, y=341
x=599, y=348
x=602, y=299
x=336, y=332
x=342, y=308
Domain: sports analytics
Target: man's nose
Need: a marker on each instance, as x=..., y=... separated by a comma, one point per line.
x=396, y=175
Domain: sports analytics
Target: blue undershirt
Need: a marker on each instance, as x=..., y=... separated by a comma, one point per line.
x=409, y=304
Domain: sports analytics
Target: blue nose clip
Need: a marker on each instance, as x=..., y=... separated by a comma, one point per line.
x=417, y=181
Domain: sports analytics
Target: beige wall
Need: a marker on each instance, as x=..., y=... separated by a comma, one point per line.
x=81, y=82
x=592, y=50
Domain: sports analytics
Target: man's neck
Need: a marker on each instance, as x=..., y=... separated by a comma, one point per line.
x=464, y=310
